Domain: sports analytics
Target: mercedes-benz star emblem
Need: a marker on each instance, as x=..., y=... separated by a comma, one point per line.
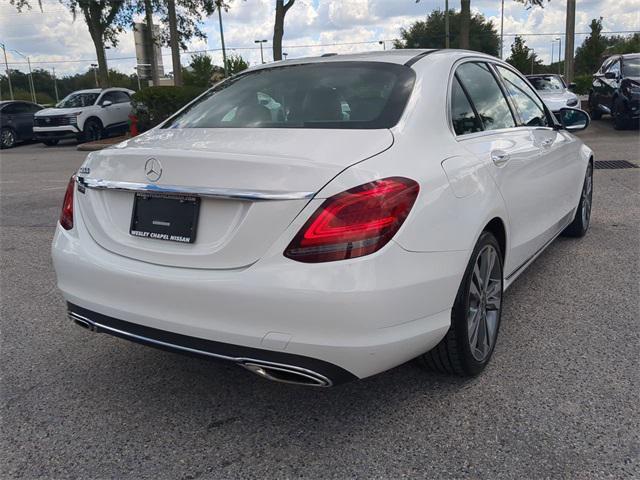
x=153, y=169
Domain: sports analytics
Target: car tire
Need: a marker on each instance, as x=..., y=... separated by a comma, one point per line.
x=468, y=346
x=92, y=130
x=620, y=121
x=580, y=224
x=8, y=138
x=50, y=143
x=594, y=111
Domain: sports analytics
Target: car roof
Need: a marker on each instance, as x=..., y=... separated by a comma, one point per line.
x=401, y=56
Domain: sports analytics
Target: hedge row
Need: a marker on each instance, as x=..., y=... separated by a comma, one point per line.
x=153, y=105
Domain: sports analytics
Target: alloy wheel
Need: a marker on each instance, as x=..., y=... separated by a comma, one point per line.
x=93, y=132
x=8, y=138
x=484, y=303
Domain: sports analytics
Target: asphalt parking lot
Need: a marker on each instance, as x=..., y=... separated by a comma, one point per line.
x=560, y=399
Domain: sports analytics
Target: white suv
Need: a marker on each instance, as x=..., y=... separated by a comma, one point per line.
x=86, y=115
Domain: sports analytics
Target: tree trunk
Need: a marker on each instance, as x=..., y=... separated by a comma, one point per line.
x=151, y=44
x=92, y=18
x=465, y=21
x=174, y=42
x=278, y=27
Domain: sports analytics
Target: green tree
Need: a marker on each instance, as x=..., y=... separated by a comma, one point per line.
x=236, y=64
x=201, y=71
x=105, y=19
x=589, y=54
x=431, y=33
x=522, y=57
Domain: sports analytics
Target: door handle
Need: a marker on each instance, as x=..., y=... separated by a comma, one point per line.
x=500, y=157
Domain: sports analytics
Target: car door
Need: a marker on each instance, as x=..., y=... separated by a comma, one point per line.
x=610, y=82
x=122, y=106
x=509, y=153
x=109, y=114
x=557, y=161
x=18, y=116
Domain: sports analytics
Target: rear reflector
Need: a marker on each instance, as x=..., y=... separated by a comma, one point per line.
x=354, y=223
x=66, y=216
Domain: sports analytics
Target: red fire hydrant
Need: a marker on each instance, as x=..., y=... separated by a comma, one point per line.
x=133, y=125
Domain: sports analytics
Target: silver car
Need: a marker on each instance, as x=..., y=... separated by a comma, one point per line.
x=554, y=91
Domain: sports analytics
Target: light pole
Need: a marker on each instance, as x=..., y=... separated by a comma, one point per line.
x=261, y=52
x=553, y=44
x=446, y=23
x=533, y=57
x=55, y=84
x=502, y=31
x=383, y=43
x=94, y=66
x=6, y=65
x=224, y=52
x=31, y=85
x=559, y=40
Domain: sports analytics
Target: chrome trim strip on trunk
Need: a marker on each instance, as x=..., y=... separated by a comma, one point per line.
x=225, y=193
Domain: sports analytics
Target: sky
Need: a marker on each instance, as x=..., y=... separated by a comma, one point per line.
x=52, y=39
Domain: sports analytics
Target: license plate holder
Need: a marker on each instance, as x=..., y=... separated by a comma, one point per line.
x=172, y=218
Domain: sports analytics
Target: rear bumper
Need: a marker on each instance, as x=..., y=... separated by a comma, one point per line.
x=279, y=366
x=362, y=316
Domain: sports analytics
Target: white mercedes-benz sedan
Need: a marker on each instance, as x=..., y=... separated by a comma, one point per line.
x=325, y=219
x=554, y=91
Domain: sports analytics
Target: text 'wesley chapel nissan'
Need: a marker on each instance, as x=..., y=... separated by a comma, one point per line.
x=325, y=219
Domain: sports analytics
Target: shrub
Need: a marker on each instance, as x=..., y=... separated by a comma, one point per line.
x=153, y=105
x=41, y=97
x=583, y=84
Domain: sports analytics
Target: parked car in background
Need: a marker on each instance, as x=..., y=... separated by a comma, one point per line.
x=16, y=121
x=85, y=115
x=554, y=91
x=616, y=90
x=329, y=218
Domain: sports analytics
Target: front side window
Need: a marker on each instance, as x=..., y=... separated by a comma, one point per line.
x=631, y=67
x=529, y=106
x=486, y=95
x=315, y=95
x=463, y=116
x=615, y=68
x=76, y=100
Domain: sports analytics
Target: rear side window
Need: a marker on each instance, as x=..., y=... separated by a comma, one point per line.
x=527, y=102
x=463, y=116
x=486, y=95
x=337, y=95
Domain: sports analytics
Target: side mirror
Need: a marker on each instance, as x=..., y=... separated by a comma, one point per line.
x=611, y=75
x=107, y=103
x=574, y=119
x=572, y=86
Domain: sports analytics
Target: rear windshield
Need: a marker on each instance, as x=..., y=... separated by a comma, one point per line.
x=335, y=95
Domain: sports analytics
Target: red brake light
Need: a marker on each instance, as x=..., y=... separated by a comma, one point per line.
x=66, y=216
x=354, y=223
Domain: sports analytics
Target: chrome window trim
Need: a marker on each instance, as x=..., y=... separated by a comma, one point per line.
x=466, y=136
x=224, y=193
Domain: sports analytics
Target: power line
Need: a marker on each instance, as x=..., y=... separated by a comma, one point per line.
x=311, y=45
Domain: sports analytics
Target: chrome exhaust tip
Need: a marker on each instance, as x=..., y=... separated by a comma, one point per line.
x=287, y=374
x=83, y=322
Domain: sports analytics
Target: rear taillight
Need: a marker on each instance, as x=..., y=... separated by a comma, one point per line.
x=66, y=216
x=354, y=223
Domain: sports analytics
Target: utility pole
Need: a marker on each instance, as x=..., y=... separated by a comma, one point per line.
x=224, y=52
x=151, y=42
x=174, y=43
x=55, y=85
x=31, y=85
x=569, y=40
x=533, y=57
x=261, y=53
x=502, y=31
x=553, y=44
x=446, y=23
x=559, y=55
x=6, y=65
